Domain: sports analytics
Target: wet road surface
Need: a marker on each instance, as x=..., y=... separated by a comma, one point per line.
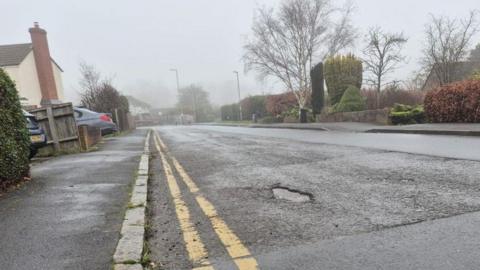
x=69, y=216
x=365, y=201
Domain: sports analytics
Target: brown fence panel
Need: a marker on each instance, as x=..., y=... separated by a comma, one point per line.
x=124, y=120
x=60, y=127
x=89, y=136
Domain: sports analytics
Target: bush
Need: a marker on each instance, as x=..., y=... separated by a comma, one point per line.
x=476, y=75
x=351, y=101
x=230, y=112
x=341, y=72
x=14, y=139
x=318, y=91
x=402, y=114
x=391, y=96
x=253, y=105
x=452, y=103
x=277, y=104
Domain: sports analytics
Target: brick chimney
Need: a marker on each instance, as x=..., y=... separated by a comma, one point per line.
x=43, y=63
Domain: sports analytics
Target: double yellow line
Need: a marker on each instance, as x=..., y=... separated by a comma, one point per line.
x=197, y=252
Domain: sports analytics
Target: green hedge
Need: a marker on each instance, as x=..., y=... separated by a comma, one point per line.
x=340, y=72
x=14, y=139
x=405, y=115
x=352, y=101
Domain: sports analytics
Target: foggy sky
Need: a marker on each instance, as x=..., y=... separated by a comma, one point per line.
x=137, y=42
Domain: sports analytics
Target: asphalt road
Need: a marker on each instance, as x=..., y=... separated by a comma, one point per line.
x=70, y=215
x=379, y=201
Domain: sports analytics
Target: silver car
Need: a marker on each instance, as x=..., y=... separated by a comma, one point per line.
x=103, y=121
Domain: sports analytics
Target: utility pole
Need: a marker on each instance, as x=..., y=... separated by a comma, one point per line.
x=239, y=97
x=195, y=105
x=178, y=92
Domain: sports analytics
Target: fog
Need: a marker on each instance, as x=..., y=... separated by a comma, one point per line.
x=138, y=42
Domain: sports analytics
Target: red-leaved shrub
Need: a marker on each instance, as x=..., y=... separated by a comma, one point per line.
x=276, y=104
x=454, y=103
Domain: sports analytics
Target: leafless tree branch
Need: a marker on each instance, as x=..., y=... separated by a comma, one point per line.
x=286, y=42
x=447, y=42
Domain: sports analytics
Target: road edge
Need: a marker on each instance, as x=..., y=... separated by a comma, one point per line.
x=129, y=251
x=470, y=133
x=273, y=126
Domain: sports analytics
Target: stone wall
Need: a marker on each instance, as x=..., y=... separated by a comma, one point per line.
x=371, y=116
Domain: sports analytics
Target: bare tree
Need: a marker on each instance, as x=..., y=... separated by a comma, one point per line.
x=447, y=44
x=382, y=55
x=97, y=93
x=287, y=42
x=416, y=81
x=90, y=82
x=194, y=100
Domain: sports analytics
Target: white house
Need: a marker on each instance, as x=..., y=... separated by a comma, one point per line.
x=37, y=76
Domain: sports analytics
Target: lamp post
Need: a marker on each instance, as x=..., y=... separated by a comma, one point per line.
x=178, y=92
x=239, y=97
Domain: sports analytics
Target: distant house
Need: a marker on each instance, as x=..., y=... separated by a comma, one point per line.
x=458, y=72
x=138, y=107
x=37, y=76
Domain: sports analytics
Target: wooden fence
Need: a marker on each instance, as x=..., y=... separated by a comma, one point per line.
x=89, y=136
x=60, y=127
x=124, y=120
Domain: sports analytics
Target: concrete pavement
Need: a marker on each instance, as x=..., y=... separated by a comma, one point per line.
x=69, y=216
x=379, y=201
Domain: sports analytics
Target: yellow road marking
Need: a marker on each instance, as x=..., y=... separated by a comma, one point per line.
x=246, y=263
x=195, y=248
x=235, y=248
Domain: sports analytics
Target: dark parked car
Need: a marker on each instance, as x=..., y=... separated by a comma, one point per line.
x=102, y=121
x=38, y=138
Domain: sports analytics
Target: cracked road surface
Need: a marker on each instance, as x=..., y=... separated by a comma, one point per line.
x=377, y=201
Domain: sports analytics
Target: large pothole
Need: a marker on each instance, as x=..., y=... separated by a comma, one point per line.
x=283, y=193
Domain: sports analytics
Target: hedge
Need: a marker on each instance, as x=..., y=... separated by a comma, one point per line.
x=14, y=138
x=402, y=114
x=277, y=104
x=351, y=101
x=454, y=103
x=341, y=72
x=253, y=105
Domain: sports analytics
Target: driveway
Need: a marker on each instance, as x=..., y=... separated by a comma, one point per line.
x=70, y=215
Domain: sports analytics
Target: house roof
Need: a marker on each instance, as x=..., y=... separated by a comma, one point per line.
x=13, y=55
x=138, y=103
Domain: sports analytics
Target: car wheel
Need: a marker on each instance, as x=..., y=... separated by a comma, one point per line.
x=33, y=152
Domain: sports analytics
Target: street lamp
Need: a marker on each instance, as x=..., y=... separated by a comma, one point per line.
x=178, y=92
x=176, y=75
x=239, y=98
